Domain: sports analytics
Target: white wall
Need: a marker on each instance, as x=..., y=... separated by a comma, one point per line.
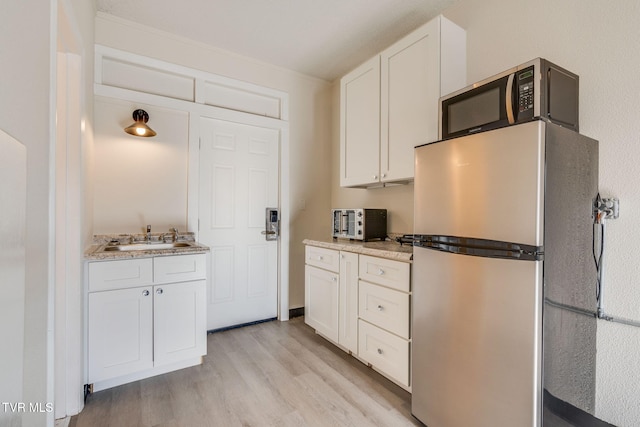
x=27, y=85
x=13, y=194
x=598, y=41
x=27, y=112
x=309, y=120
x=139, y=181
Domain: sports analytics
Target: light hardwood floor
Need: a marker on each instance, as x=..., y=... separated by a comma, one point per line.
x=270, y=374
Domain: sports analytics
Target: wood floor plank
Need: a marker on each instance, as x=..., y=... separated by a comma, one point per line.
x=269, y=374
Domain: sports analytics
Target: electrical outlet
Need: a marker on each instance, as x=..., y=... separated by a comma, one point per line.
x=611, y=208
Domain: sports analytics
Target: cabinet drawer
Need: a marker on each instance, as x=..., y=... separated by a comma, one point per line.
x=327, y=259
x=385, y=272
x=385, y=351
x=384, y=307
x=179, y=268
x=126, y=273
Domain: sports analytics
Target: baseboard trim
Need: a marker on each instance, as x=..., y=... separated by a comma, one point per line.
x=296, y=312
x=226, y=328
x=570, y=413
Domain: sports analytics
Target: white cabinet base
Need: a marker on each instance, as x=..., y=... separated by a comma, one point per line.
x=147, y=373
x=135, y=331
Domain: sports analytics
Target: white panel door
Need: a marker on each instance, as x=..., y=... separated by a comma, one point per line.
x=239, y=175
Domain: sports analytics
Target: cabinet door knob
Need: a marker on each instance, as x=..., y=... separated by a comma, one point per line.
x=380, y=308
x=320, y=258
x=379, y=351
x=380, y=272
x=375, y=176
x=145, y=293
x=159, y=291
x=334, y=279
x=384, y=175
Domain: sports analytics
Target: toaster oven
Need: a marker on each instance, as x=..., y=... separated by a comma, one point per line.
x=360, y=224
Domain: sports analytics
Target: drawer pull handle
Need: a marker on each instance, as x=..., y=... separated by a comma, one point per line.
x=145, y=293
x=380, y=272
x=320, y=258
x=380, y=308
x=334, y=279
x=159, y=291
x=379, y=351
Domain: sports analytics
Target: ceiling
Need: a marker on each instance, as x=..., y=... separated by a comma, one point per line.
x=320, y=38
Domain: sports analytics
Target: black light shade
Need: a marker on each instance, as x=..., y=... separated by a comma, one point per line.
x=140, y=128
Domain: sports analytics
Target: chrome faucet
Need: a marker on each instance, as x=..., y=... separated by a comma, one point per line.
x=148, y=233
x=174, y=230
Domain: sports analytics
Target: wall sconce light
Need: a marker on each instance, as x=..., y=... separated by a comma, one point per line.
x=140, y=128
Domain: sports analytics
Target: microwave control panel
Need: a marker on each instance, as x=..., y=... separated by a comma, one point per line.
x=525, y=84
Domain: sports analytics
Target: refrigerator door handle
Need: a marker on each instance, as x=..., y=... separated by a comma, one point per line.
x=480, y=247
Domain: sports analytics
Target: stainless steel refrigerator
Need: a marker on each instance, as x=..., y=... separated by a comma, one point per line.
x=504, y=279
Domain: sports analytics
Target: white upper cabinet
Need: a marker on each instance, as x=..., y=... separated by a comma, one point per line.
x=360, y=125
x=389, y=104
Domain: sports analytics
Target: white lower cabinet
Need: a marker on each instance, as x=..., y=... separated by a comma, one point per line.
x=384, y=332
x=321, y=301
x=139, y=325
x=120, y=336
x=387, y=352
x=362, y=303
x=331, y=295
x=179, y=321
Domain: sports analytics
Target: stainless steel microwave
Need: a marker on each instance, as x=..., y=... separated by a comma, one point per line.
x=537, y=89
x=359, y=224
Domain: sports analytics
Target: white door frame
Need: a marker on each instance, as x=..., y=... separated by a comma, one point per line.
x=67, y=367
x=196, y=110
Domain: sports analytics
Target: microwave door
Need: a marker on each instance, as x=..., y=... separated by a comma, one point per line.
x=485, y=107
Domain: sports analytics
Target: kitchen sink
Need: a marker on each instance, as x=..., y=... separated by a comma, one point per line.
x=146, y=246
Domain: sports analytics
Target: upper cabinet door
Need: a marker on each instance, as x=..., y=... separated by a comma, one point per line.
x=360, y=125
x=410, y=81
x=404, y=90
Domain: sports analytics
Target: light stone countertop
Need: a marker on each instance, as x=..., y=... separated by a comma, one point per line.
x=389, y=249
x=96, y=251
